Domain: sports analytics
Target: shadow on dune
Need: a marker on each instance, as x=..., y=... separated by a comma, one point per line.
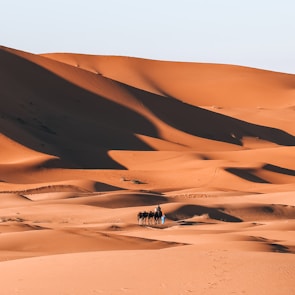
x=46, y=113
x=277, y=169
x=280, y=248
x=207, y=124
x=246, y=174
x=254, y=212
x=130, y=200
x=273, y=246
x=98, y=187
x=104, y=187
x=189, y=211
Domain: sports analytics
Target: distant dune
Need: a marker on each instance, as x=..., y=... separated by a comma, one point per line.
x=89, y=141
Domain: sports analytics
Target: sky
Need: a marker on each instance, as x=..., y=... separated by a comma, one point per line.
x=254, y=33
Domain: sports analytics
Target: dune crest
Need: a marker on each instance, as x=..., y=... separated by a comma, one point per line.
x=199, y=84
x=89, y=141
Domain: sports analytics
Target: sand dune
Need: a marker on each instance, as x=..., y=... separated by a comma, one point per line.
x=89, y=141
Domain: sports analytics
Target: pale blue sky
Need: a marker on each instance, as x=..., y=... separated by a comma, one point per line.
x=255, y=33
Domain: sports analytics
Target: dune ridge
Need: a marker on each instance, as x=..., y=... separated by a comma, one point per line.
x=89, y=141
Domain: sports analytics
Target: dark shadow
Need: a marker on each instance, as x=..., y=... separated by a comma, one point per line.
x=274, y=247
x=207, y=124
x=280, y=248
x=103, y=187
x=246, y=174
x=268, y=209
x=205, y=158
x=278, y=169
x=46, y=113
x=189, y=211
x=123, y=201
x=184, y=222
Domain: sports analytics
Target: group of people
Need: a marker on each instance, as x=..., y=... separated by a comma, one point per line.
x=151, y=217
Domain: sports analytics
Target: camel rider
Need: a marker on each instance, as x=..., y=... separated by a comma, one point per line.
x=158, y=209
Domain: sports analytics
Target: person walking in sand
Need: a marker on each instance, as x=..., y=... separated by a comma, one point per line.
x=163, y=217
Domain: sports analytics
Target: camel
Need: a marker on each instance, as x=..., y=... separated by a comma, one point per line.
x=149, y=217
x=141, y=217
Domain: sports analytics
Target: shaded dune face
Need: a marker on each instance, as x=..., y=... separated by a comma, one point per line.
x=203, y=123
x=75, y=109
x=49, y=113
x=87, y=142
x=57, y=114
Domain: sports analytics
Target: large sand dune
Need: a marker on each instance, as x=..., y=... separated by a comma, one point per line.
x=89, y=141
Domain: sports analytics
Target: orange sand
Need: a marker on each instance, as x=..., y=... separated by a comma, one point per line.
x=89, y=141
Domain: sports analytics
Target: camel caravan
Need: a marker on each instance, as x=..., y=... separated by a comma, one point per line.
x=152, y=217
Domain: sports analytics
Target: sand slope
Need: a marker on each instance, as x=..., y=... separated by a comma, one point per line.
x=89, y=141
